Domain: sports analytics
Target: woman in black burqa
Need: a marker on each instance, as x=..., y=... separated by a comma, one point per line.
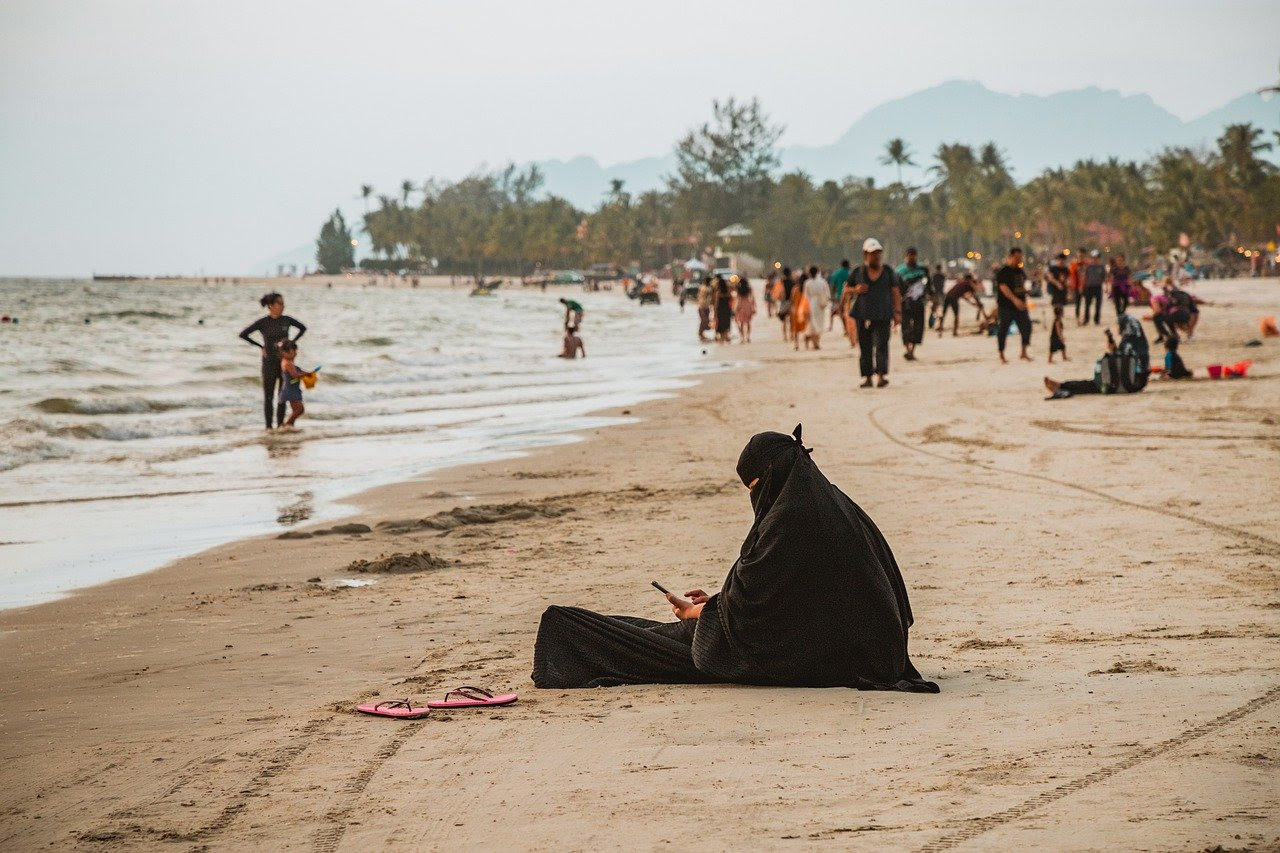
x=815, y=600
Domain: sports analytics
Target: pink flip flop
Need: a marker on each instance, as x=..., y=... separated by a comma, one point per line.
x=472, y=697
x=399, y=708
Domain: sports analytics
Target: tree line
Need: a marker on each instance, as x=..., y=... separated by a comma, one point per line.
x=1223, y=198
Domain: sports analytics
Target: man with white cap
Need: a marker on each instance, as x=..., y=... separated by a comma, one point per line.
x=877, y=308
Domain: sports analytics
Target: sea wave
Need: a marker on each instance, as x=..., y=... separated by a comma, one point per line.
x=134, y=313
x=24, y=441
x=134, y=406
x=75, y=365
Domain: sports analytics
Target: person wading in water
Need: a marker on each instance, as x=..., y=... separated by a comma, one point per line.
x=274, y=329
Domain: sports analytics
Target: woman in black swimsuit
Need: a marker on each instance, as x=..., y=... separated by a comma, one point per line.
x=274, y=329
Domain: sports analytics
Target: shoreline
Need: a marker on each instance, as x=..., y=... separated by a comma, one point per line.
x=362, y=278
x=391, y=412
x=1075, y=592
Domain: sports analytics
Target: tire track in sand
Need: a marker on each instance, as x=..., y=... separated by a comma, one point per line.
x=279, y=762
x=977, y=826
x=328, y=837
x=1261, y=544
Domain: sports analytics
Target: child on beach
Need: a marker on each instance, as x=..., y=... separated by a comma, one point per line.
x=1056, y=341
x=1173, y=366
x=291, y=386
x=572, y=344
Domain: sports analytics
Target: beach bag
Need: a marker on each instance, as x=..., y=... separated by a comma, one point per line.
x=1102, y=375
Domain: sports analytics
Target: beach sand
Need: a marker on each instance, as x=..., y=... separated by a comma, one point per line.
x=1094, y=584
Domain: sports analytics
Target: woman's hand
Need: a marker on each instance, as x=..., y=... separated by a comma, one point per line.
x=697, y=596
x=684, y=609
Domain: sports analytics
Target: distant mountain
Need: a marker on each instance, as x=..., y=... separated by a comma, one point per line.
x=1035, y=131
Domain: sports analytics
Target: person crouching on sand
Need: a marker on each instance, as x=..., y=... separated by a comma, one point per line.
x=572, y=344
x=291, y=383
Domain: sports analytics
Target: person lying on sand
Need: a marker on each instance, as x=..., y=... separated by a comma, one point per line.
x=1123, y=368
x=815, y=600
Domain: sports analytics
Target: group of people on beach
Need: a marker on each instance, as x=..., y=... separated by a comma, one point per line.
x=869, y=301
x=722, y=302
x=872, y=299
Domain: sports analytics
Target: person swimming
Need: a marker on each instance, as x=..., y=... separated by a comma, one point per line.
x=572, y=344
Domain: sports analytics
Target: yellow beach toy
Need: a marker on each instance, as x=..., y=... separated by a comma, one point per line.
x=309, y=379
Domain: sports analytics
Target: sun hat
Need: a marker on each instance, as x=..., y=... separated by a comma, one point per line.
x=871, y=244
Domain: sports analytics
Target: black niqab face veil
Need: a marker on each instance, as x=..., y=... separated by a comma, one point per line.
x=769, y=458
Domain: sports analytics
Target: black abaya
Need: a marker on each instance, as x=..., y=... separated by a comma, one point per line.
x=815, y=599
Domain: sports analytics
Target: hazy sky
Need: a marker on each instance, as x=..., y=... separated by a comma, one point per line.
x=156, y=136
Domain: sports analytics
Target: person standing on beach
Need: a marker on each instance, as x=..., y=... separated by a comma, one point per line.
x=1121, y=292
x=274, y=329
x=1093, y=275
x=723, y=301
x=877, y=307
x=1059, y=281
x=1011, y=303
x=1075, y=278
x=838, y=279
x=1057, y=342
x=937, y=292
x=913, y=281
x=744, y=310
x=819, y=294
x=784, y=304
x=704, y=308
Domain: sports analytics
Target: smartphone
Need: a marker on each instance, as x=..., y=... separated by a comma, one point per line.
x=660, y=588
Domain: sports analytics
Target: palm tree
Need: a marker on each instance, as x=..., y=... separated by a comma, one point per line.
x=406, y=187
x=366, y=191
x=897, y=154
x=1239, y=147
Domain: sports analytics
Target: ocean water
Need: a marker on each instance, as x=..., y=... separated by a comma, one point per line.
x=131, y=413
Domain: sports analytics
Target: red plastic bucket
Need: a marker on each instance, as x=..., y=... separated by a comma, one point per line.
x=1215, y=371
x=1240, y=368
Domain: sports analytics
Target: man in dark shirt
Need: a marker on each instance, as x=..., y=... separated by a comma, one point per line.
x=1092, y=276
x=913, y=284
x=1011, y=303
x=877, y=307
x=1058, y=280
x=937, y=292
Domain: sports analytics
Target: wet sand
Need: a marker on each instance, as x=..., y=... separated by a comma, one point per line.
x=1094, y=583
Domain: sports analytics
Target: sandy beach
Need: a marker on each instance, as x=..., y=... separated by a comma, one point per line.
x=1094, y=583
